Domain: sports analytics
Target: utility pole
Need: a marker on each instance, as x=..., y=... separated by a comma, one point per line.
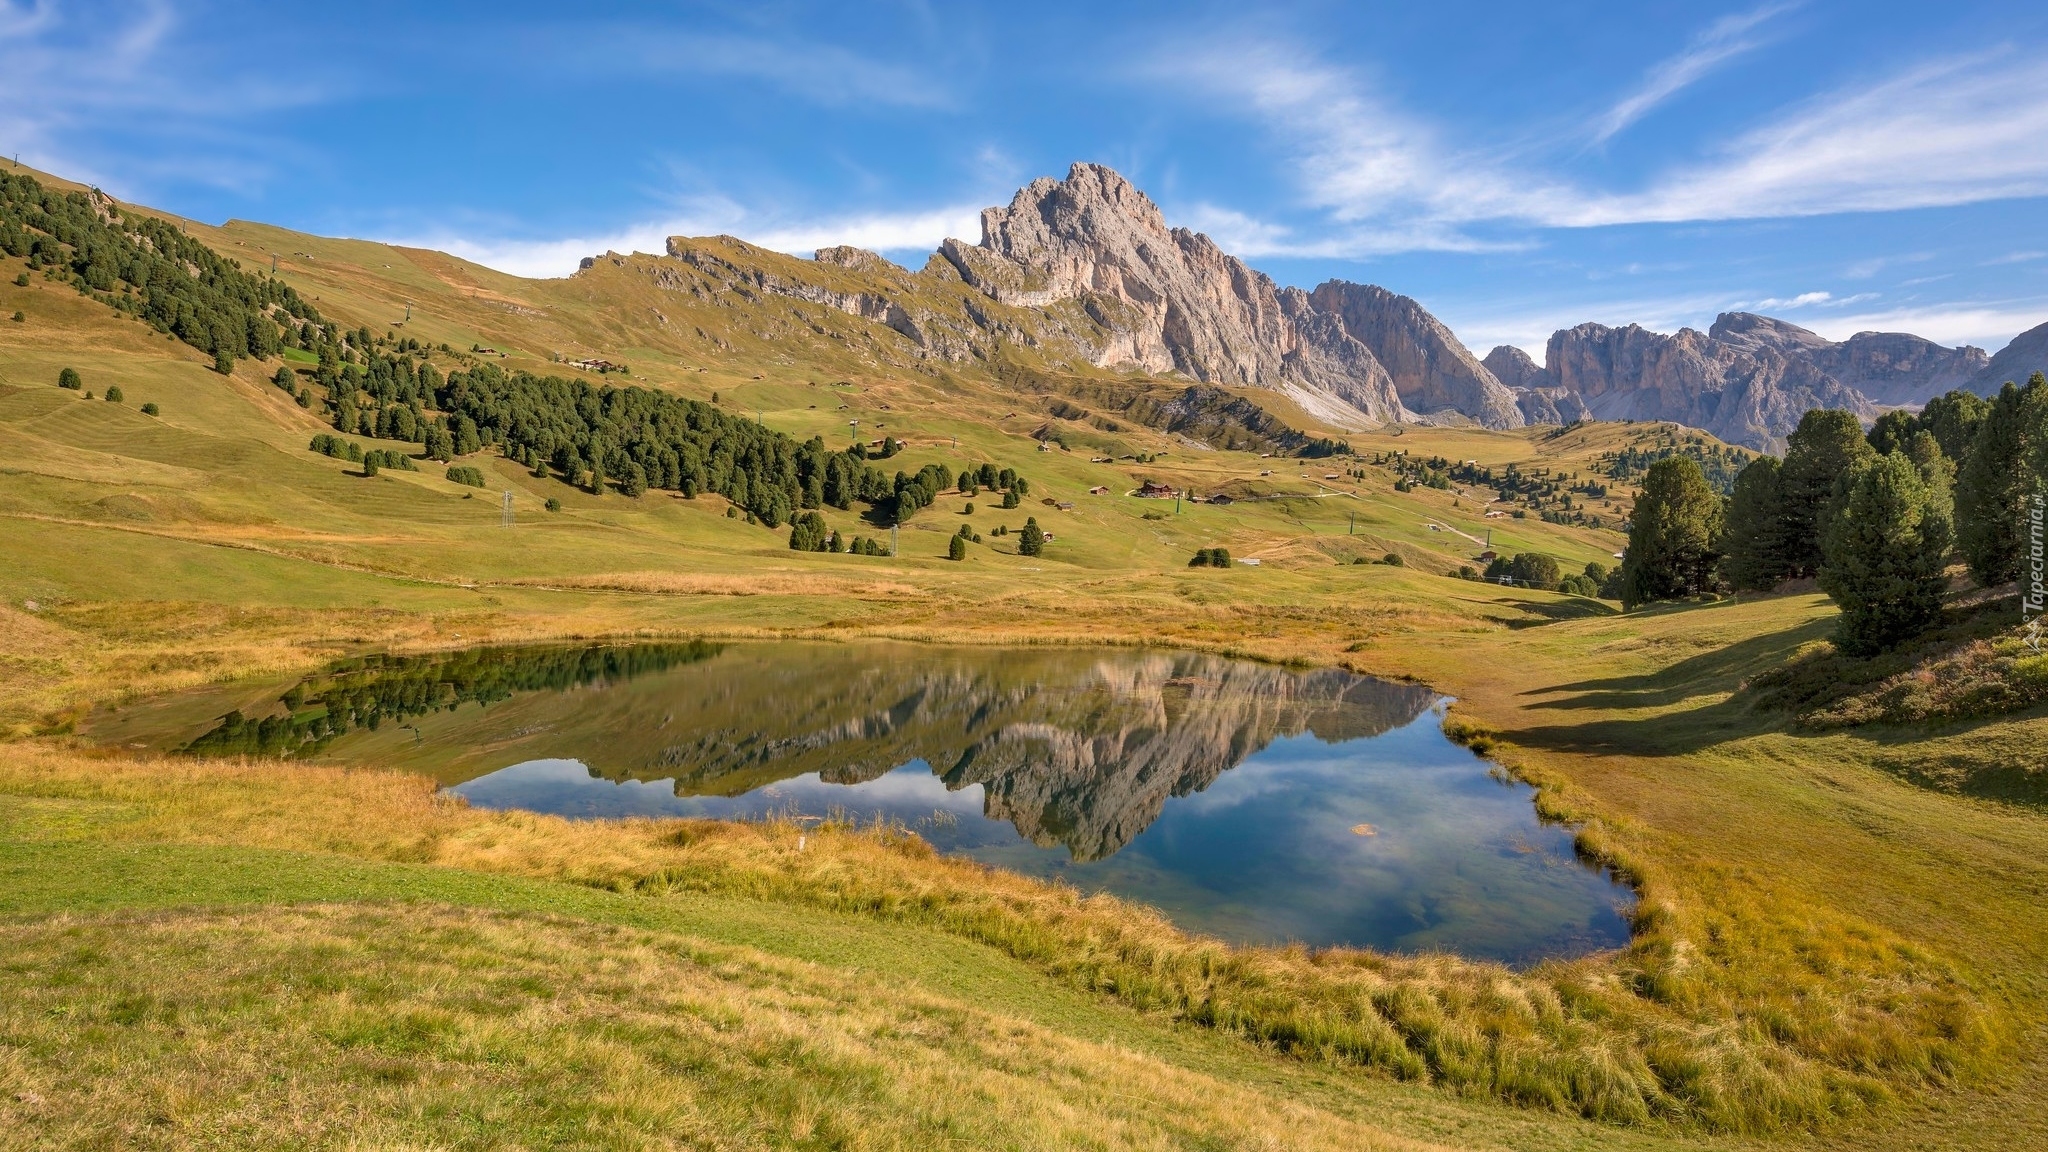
x=408, y=311
x=505, y=518
x=1353, y=530
x=273, y=263
x=1176, y=503
x=894, y=530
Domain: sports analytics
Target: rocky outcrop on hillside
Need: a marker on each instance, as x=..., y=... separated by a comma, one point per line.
x=2026, y=355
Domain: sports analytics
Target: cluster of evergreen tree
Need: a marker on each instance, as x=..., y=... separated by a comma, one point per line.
x=147, y=267
x=1529, y=570
x=1210, y=558
x=1719, y=463
x=1557, y=497
x=631, y=439
x=1874, y=517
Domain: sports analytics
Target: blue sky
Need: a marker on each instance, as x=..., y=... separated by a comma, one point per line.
x=1517, y=167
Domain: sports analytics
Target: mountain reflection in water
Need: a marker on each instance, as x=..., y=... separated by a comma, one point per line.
x=1255, y=802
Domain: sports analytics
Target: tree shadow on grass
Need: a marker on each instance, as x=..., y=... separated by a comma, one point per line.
x=1665, y=734
x=1720, y=670
x=1713, y=677
x=1551, y=611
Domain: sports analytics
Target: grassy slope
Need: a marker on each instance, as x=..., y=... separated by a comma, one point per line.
x=209, y=544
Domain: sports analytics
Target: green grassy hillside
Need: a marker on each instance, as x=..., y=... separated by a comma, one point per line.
x=1827, y=953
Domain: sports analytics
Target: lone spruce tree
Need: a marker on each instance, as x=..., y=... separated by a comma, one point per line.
x=1827, y=445
x=1993, y=483
x=1031, y=541
x=1753, y=543
x=1885, y=554
x=1673, y=541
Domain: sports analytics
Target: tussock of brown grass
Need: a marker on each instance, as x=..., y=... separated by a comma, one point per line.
x=1698, y=1034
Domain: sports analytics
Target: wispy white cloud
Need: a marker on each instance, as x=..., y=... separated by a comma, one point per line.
x=1804, y=300
x=1989, y=325
x=1716, y=45
x=821, y=73
x=2016, y=258
x=799, y=235
x=1946, y=132
x=67, y=76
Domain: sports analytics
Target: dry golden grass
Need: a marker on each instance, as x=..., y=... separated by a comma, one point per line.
x=426, y=1026
x=1664, y=1034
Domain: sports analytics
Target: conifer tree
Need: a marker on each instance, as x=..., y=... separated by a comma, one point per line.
x=1673, y=542
x=807, y=534
x=1954, y=419
x=1753, y=542
x=1031, y=541
x=1885, y=552
x=1826, y=446
x=956, y=547
x=1993, y=483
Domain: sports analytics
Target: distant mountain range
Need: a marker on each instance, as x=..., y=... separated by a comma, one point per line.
x=1087, y=268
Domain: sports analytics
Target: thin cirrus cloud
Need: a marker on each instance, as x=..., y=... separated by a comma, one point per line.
x=1721, y=42
x=825, y=74
x=67, y=77
x=1942, y=133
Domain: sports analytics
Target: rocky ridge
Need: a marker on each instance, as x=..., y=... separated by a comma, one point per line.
x=1085, y=271
x=1747, y=379
x=2026, y=355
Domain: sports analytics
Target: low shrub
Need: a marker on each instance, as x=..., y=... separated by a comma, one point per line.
x=466, y=474
x=1973, y=666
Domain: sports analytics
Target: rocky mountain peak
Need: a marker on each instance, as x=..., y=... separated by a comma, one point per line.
x=1749, y=330
x=1094, y=205
x=1167, y=299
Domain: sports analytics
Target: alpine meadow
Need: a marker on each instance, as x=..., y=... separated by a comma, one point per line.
x=1058, y=688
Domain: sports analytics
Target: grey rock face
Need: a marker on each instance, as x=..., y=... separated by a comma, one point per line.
x=1887, y=367
x=1551, y=406
x=1433, y=373
x=1166, y=299
x=1745, y=389
x=857, y=259
x=1514, y=368
x=2026, y=355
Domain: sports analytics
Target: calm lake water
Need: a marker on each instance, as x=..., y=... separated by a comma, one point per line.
x=1254, y=803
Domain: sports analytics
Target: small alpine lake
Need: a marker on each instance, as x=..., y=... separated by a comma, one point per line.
x=1246, y=801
